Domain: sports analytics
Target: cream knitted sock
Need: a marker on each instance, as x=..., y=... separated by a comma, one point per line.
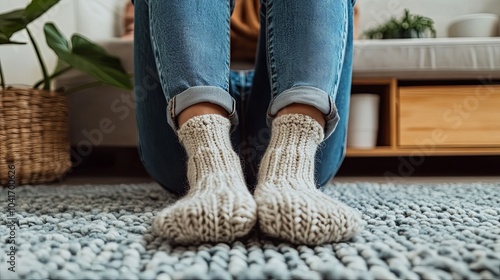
x=289, y=205
x=218, y=206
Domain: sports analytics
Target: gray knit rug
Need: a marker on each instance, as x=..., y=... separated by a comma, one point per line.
x=425, y=231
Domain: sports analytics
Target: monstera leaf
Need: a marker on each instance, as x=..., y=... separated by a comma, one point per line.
x=17, y=20
x=6, y=41
x=88, y=57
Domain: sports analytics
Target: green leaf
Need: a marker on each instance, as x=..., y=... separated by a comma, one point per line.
x=6, y=41
x=88, y=58
x=37, y=8
x=11, y=22
x=17, y=20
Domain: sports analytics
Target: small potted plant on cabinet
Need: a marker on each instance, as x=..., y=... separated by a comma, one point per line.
x=409, y=26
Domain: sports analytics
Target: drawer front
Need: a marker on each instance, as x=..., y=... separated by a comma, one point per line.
x=449, y=116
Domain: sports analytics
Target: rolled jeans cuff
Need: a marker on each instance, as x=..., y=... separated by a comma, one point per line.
x=306, y=95
x=199, y=94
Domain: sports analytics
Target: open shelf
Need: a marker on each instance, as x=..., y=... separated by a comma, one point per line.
x=394, y=152
x=386, y=135
x=389, y=135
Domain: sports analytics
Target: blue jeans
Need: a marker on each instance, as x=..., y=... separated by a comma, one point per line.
x=181, y=58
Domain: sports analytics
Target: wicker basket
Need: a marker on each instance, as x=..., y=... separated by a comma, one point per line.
x=33, y=135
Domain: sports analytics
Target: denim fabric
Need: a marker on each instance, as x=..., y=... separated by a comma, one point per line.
x=305, y=45
x=190, y=41
x=181, y=57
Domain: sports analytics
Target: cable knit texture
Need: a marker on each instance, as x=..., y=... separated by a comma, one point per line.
x=289, y=205
x=218, y=206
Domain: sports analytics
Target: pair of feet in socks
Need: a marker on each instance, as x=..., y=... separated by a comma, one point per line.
x=218, y=206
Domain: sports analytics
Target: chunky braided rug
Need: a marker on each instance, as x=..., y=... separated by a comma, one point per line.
x=431, y=231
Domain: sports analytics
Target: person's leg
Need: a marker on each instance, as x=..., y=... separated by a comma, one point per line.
x=305, y=48
x=158, y=146
x=188, y=44
x=331, y=152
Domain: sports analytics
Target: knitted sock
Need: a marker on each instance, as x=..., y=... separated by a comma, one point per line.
x=218, y=206
x=289, y=205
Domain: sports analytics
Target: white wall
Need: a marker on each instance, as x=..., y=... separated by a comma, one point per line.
x=375, y=12
x=105, y=17
x=19, y=62
x=96, y=20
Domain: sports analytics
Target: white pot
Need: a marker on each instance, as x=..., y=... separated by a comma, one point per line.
x=475, y=25
x=363, y=121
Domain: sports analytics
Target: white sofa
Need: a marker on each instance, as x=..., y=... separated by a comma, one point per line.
x=442, y=58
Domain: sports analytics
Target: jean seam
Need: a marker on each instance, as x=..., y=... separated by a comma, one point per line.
x=161, y=72
x=233, y=113
x=172, y=113
x=270, y=106
x=228, y=43
x=332, y=109
x=270, y=51
x=155, y=50
x=342, y=54
x=270, y=62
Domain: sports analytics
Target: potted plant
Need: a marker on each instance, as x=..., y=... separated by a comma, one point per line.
x=409, y=26
x=34, y=120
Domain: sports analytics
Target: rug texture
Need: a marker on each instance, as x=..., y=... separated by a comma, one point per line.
x=425, y=231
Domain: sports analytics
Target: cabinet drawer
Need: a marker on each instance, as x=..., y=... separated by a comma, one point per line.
x=449, y=116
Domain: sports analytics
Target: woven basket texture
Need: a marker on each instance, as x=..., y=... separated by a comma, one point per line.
x=33, y=136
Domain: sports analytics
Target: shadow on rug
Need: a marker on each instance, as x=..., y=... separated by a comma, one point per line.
x=430, y=231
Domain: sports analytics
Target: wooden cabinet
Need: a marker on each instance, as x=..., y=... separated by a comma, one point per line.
x=437, y=119
x=449, y=116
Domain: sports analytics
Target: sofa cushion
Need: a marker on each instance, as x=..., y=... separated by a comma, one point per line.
x=440, y=58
